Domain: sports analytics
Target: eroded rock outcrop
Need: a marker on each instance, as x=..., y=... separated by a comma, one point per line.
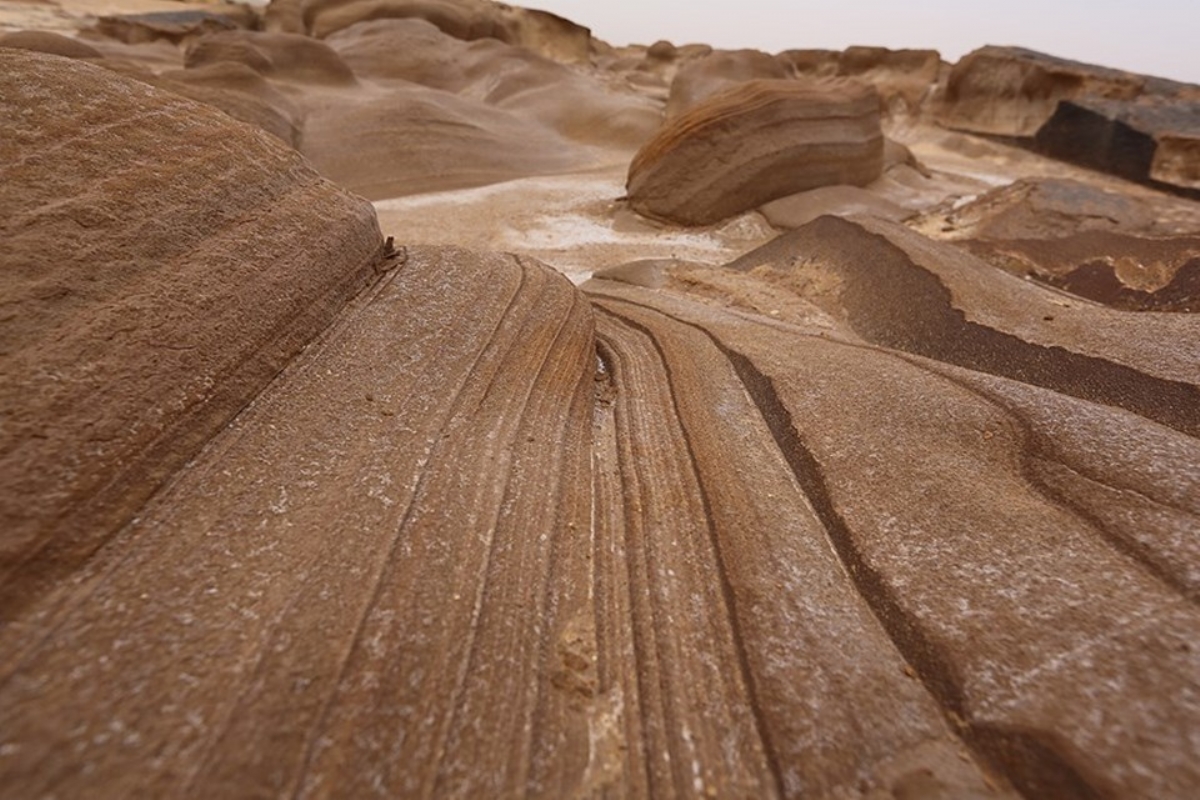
x=162, y=263
x=539, y=31
x=903, y=77
x=281, y=56
x=699, y=79
x=1135, y=126
x=566, y=100
x=48, y=42
x=756, y=142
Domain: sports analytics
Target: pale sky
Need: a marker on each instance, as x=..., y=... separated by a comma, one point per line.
x=1157, y=37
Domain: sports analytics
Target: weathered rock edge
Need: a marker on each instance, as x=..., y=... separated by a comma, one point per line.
x=162, y=263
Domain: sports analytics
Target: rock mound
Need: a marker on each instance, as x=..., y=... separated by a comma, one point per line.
x=159, y=271
x=571, y=102
x=903, y=77
x=281, y=56
x=756, y=142
x=47, y=42
x=701, y=78
x=539, y=31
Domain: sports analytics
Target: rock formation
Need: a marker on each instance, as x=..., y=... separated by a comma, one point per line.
x=141, y=316
x=539, y=31
x=1134, y=126
x=754, y=143
x=303, y=496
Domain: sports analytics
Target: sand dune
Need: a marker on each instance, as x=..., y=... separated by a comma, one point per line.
x=865, y=464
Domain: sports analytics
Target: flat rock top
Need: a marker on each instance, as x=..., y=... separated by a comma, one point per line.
x=902, y=502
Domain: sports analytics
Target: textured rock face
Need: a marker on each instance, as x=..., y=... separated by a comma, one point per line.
x=888, y=507
x=1138, y=127
x=174, y=26
x=469, y=20
x=147, y=314
x=756, y=142
x=530, y=86
x=46, y=42
x=282, y=56
x=1138, y=253
x=701, y=78
x=903, y=77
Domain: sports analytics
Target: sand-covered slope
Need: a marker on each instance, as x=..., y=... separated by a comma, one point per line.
x=865, y=464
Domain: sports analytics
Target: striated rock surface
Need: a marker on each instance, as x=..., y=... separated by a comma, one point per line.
x=48, y=42
x=140, y=312
x=538, y=31
x=701, y=78
x=1134, y=126
x=902, y=503
x=174, y=26
x=281, y=56
x=756, y=142
x=904, y=78
x=577, y=105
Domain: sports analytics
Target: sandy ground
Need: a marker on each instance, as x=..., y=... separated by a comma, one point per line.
x=574, y=223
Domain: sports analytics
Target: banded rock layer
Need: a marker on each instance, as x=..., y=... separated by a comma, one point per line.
x=1139, y=127
x=755, y=142
x=140, y=316
x=850, y=512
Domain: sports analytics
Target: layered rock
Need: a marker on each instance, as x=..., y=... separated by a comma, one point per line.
x=756, y=142
x=903, y=78
x=158, y=272
x=1134, y=126
x=280, y=56
x=47, y=42
x=569, y=101
x=539, y=31
x=174, y=26
x=699, y=79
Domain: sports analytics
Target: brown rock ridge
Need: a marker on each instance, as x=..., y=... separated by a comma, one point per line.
x=904, y=78
x=756, y=142
x=1126, y=251
x=538, y=31
x=139, y=315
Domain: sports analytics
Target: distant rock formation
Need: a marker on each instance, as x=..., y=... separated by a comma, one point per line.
x=1138, y=127
x=904, y=78
x=701, y=78
x=756, y=142
x=48, y=42
x=282, y=56
x=539, y=31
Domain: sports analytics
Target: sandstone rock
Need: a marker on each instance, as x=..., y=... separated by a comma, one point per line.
x=701, y=78
x=539, y=31
x=239, y=91
x=1135, y=273
x=1150, y=141
x=1049, y=208
x=800, y=209
x=172, y=26
x=166, y=266
x=903, y=77
x=47, y=42
x=280, y=56
x=570, y=102
x=754, y=143
x=1134, y=126
x=416, y=139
